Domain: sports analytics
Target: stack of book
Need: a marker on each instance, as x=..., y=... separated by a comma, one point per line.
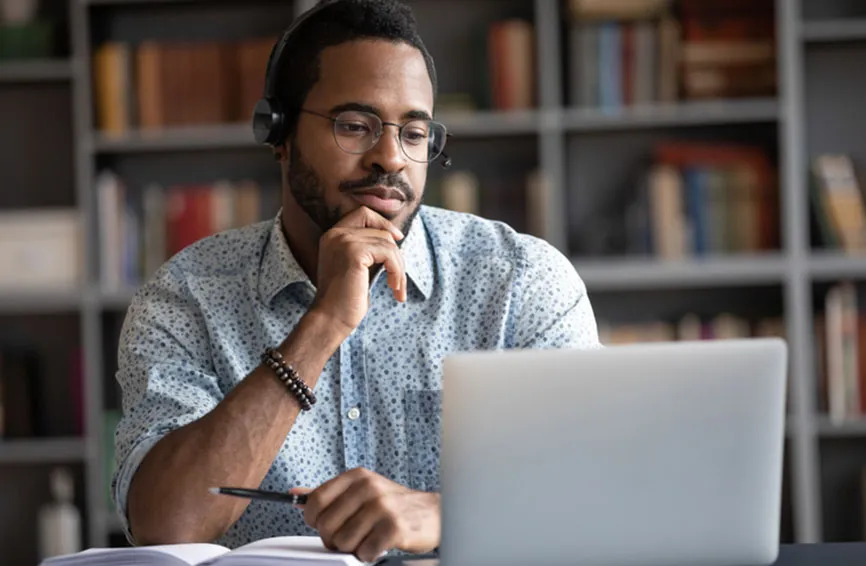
x=521, y=206
x=156, y=84
x=691, y=327
x=141, y=227
x=840, y=347
x=699, y=199
x=634, y=52
x=503, y=55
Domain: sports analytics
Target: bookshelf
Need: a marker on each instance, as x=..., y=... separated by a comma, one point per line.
x=638, y=274
x=38, y=71
x=583, y=153
x=49, y=451
x=692, y=113
x=835, y=30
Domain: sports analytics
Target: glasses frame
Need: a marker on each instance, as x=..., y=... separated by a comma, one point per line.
x=335, y=119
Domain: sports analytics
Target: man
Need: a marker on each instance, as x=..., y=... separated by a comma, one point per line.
x=357, y=286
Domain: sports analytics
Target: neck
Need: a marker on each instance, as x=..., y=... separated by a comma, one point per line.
x=302, y=235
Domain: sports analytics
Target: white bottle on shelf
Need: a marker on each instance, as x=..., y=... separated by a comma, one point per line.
x=59, y=520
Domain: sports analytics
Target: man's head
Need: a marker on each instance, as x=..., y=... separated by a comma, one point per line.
x=364, y=57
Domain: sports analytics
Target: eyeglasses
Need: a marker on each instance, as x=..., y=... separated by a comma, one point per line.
x=357, y=132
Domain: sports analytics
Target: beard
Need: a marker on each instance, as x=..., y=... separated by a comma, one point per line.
x=307, y=189
x=309, y=192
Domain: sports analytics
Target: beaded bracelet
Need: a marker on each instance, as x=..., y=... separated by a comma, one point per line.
x=290, y=378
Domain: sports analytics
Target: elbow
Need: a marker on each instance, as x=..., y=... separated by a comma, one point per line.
x=149, y=529
x=155, y=519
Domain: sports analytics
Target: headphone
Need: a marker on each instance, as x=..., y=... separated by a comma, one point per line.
x=269, y=117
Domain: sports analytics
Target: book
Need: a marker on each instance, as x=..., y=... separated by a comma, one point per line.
x=839, y=201
x=276, y=551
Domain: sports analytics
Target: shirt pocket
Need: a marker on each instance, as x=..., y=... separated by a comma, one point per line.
x=423, y=438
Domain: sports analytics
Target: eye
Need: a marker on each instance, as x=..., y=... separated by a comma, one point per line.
x=352, y=128
x=415, y=135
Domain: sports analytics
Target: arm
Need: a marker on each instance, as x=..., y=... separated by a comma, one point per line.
x=234, y=444
x=185, y=437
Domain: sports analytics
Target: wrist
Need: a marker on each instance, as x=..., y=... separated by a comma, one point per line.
x=319, y=329
x=327, y=326
x=431, y=536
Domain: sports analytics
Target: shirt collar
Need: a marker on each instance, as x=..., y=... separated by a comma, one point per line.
x=280, y=268
x=417, y=256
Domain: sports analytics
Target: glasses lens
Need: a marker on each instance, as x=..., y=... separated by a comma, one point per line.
x=423, y=140
x=356, y=132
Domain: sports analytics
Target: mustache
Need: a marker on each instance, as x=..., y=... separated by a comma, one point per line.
x=391, y=180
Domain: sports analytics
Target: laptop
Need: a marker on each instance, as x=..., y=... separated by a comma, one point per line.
x=661, y=454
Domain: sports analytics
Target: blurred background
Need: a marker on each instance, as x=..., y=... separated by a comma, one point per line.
x=698, y=160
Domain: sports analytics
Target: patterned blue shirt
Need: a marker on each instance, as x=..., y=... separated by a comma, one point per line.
x=200, y=325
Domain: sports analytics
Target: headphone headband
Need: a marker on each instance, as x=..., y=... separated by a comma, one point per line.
x=268, y=115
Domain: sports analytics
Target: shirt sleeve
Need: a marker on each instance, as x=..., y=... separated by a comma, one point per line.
x=552, y=308
x=165, y=374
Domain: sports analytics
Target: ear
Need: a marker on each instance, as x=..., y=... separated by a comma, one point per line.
x=281, y=153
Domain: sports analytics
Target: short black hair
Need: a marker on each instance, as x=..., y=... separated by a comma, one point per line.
x=335, y=23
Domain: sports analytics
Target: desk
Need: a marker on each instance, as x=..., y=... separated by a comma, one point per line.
x=828, y=554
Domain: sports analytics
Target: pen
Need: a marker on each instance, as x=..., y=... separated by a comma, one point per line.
x=259, y=494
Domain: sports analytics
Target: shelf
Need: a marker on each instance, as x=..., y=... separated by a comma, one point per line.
x=116, y=299
x=42, y=301
x=834, y=30
x=699, y=113
x=487, y=123
x=639, y=274
x=466, y=124
x=135, y=2
x=42, y=451
x=192, y=138
x=835, y=266
x=848, y=429
x=49, y=70
x=240, y=135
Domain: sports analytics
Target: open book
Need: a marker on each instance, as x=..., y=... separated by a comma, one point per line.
x=277, y=551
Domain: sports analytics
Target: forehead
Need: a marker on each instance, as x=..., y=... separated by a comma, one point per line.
x=388, y=75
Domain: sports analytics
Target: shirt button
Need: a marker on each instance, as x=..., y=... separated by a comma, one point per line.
x=354, y=413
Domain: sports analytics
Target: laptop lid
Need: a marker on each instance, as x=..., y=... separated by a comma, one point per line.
x=626, y=456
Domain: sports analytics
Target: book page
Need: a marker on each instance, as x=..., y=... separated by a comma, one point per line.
x=286, y=550
x=192, y=554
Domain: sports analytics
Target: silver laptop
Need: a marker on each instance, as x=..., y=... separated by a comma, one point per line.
x=644, y=455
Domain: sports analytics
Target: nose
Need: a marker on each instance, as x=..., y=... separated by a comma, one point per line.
x=387, y=154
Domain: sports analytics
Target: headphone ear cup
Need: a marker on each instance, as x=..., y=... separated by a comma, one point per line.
x=268, y=122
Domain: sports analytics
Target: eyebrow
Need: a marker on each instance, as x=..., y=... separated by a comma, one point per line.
x=359, y=107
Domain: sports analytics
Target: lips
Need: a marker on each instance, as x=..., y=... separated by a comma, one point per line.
x=381, y=199
x=384, y=193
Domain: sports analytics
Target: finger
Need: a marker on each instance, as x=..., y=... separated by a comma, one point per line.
x=382, y=538
x=390, y=257
x=374, y=233
x=349, y=504
x=364, y=217
x=396, y=269
x=322, y=497
x=358, y=527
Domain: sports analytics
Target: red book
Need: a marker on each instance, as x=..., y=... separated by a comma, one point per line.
x=189, y=216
